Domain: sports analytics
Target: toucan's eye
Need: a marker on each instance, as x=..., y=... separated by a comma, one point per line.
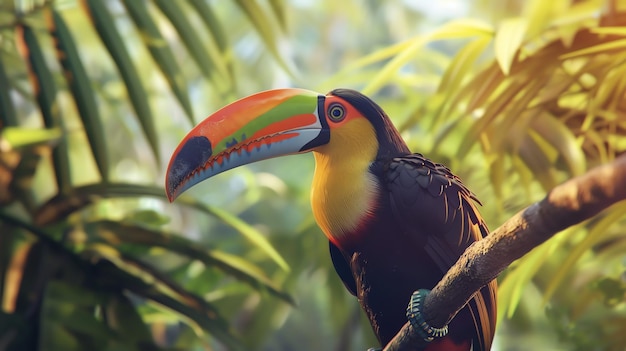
x=336, y=112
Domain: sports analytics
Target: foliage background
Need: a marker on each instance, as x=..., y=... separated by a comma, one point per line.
x=514, y=96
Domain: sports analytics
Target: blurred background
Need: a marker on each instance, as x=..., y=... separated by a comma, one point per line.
x=514, y=96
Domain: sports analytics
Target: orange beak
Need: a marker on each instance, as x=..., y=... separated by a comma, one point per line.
x=261, y=126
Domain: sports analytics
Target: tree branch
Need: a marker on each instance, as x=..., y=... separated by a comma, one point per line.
x=570, y=203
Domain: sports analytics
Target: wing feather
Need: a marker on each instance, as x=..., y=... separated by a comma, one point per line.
x=342, y=267
x=440, y=214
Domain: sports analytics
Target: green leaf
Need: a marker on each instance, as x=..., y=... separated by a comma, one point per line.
x=161, y=53
x=461, y=65
x=278, y=8
x=7, y=241
x=208, y=58
x=243, y=228
x=266, y=29
x=218, y=35
x=512, y=287
x=597, y=230
x=33, y=275
x=147, y=218
x=497, y=175
x=69, y=317
x=12, y=138
x=613, y=291
x=82, y=92
x=122, y=316
x=7, y=110
x=56, y=337
x=114, y=232
x=457, y=71
x=534, y=157
x=105, y=26
x=16, y=331
x=504, y=109
x=212, y=22
x=62, y=205
x=561, y=138
x=23, y=176
x=509, y=38
x=107, y=270
x=45, y=91
x=71, y=307
x=144, y=281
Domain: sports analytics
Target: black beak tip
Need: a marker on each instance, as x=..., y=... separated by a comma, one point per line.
x=192, y=155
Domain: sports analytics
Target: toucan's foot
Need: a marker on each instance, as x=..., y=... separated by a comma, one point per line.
x=416, y=318
x=373, y=349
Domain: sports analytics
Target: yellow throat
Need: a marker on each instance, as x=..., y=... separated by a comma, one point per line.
x=344, y=191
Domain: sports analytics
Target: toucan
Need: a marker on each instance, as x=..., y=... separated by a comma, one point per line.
x=395, y=220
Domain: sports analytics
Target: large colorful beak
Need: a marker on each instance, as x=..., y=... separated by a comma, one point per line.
x=261, y=126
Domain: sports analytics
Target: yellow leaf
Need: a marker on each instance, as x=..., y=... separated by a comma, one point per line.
x=578, y=14
x=372, y=58
x=557, y=134
x=609, y=30
x=463, y=28
x=508, y=40
x=596, y=49
x=389, y=70
x=540, y=13
x=455, y=29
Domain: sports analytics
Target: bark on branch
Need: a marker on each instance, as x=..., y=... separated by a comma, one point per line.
x=570, y=203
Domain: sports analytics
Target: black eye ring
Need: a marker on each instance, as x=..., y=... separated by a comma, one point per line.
x=336, y=112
